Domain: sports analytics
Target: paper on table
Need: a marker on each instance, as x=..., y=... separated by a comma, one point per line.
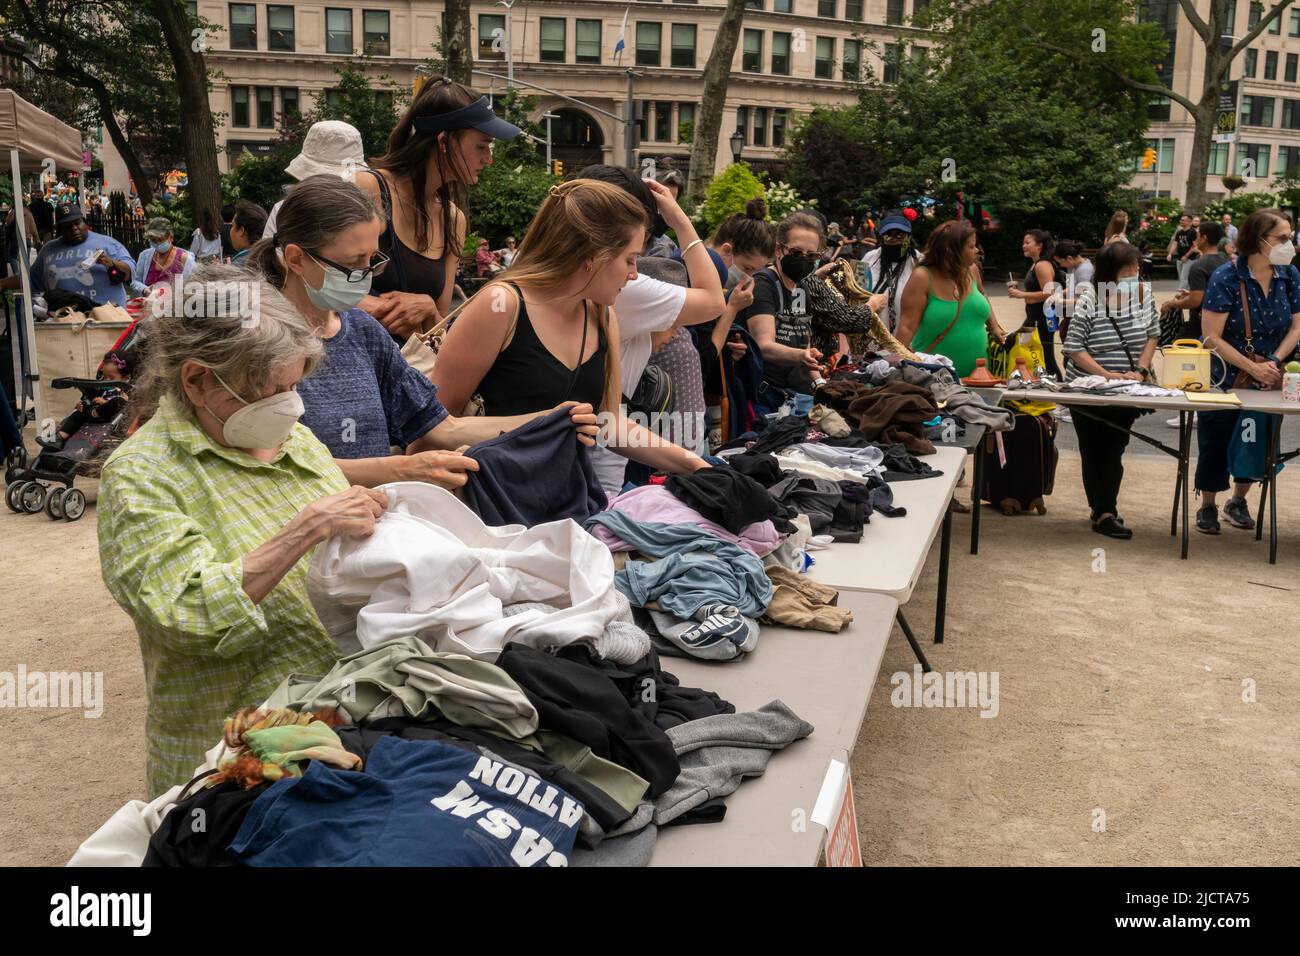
x=1214, y=398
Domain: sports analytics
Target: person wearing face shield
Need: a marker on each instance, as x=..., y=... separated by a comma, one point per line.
x=890, y=265
x=437, y=151
x=365, y=399
x=1250, y=318
x=209, y=512
x=80, y=261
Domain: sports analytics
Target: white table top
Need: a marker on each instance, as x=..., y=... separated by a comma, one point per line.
x=824, y=678
x=891, y=555
x=1251, y=400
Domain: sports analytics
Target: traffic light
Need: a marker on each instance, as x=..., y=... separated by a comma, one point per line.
x=557, y=167
x=1149, y=158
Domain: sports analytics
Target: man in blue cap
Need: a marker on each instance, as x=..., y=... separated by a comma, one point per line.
x=87, y=263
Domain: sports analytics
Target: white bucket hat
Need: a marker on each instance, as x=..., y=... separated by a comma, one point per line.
x=330, y=146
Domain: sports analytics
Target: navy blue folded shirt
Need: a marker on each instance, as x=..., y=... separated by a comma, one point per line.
x=537, y=473
x=418, y=803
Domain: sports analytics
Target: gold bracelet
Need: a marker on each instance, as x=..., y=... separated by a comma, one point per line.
x=690, y=247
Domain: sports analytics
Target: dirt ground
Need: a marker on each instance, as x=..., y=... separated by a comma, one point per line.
x=1120, y=692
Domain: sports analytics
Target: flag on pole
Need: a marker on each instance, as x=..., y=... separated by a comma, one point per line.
x=622, y=39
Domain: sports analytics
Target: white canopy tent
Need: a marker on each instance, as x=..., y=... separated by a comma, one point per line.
x=35, y=141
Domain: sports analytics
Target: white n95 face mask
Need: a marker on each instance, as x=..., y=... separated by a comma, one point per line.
x=265, y=423
x=1281, y=253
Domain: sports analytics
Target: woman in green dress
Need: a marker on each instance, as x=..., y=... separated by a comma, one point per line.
x=944, y=309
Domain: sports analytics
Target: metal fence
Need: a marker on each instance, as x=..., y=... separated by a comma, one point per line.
x=115, y=219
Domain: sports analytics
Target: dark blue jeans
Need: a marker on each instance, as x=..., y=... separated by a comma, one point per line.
x=1213, y=433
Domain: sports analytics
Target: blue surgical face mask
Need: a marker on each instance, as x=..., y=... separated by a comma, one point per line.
x=161, y=248
x=336, y=292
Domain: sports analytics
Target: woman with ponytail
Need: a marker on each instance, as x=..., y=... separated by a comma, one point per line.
x=545, y=331
x=364, y=399
x=436, y=151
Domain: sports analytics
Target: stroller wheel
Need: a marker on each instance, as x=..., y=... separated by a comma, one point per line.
x=73, y=504
x=11, y=496
x=32, y=497
x=54, y=504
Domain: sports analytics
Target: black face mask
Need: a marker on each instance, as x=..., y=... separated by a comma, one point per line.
x=891, y=252
x=797, y=266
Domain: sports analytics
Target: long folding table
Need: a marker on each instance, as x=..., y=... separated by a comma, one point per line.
x=827, y=680
x=1251, y=400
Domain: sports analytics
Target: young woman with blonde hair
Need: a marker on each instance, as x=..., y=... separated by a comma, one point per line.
x=545, y=331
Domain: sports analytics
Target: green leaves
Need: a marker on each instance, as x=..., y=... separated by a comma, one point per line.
x=728, y=192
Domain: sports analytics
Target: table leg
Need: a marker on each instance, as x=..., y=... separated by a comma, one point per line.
x=1270, y=470
x=1178, y=481
x=977, y=499
x=1263, y=500
x=942, y=604
x=911, y=639
x=1185, y=454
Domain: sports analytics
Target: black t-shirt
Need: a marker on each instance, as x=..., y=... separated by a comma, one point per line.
x=1184, y=238
x=1198, y=279
x=793, y=327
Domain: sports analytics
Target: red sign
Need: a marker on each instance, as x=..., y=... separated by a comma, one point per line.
x=842, y=845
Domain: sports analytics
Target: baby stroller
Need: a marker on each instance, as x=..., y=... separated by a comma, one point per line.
x=27, y=492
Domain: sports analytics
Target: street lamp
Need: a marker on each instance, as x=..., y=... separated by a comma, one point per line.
x=510, y=46
x=548, y=116
x=737, y=144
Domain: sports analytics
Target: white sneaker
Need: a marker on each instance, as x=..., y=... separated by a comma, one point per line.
x=1063, y=414
x=1173, y=422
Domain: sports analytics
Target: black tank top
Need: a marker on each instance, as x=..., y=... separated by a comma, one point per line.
x=527, y=378
x=1034, y=310
x=409, y=271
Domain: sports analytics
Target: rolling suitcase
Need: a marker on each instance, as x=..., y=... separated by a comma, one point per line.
x=1020, y=465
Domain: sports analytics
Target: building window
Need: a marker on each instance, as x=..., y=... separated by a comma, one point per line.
x=894, y=12
x=751, y=59
x=1249, y=64
x=753, y=4
x=1258, y=153
x=778, y=127
x=333, y=99
x=781, y=54
x=266, y=107
x=1256, y=111
x=1291, y=114
x=279, y=28
x=1230, y=17
x=374, y=25
x=1292, y=62
x=742, y=121
x=289, y=108
x=826, y=8
x=239, y=106
x=491, y=36
x=853, y=9
x=1288, y=157
x=649, y=37
x=587, y=41
x=685, y=117
x=1164, y=154
x=642, y=108
x=1275, y=25
x=852, y=60
x=891, y=63
x=760, y=126
x=1256, y=11
x=824, y=68
x=684, y=46
x=552, y=39
x=1270, y=65
x=338, y=31
x=782, y=6
x=1293, y=28
x=663, y=122
x=1218, y=165
x=243, y=28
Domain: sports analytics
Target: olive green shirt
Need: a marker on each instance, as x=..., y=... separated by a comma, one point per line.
x=177, y=514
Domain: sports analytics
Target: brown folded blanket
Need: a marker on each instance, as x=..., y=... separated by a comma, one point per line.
x=894, y=412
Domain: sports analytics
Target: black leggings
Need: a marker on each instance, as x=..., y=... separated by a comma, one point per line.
x=1048, y=338
x=1101, y=450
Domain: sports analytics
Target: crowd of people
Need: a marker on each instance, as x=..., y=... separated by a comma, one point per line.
x=255, y=442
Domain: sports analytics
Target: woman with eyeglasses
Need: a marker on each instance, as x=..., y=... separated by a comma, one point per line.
x=437, y=151
x=365, y=399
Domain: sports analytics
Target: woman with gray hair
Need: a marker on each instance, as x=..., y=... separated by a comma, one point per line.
x=162, y=260
x=207, y=514
x=365, y=399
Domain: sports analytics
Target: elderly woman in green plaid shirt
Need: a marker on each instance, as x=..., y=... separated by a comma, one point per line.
x=208, y=513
